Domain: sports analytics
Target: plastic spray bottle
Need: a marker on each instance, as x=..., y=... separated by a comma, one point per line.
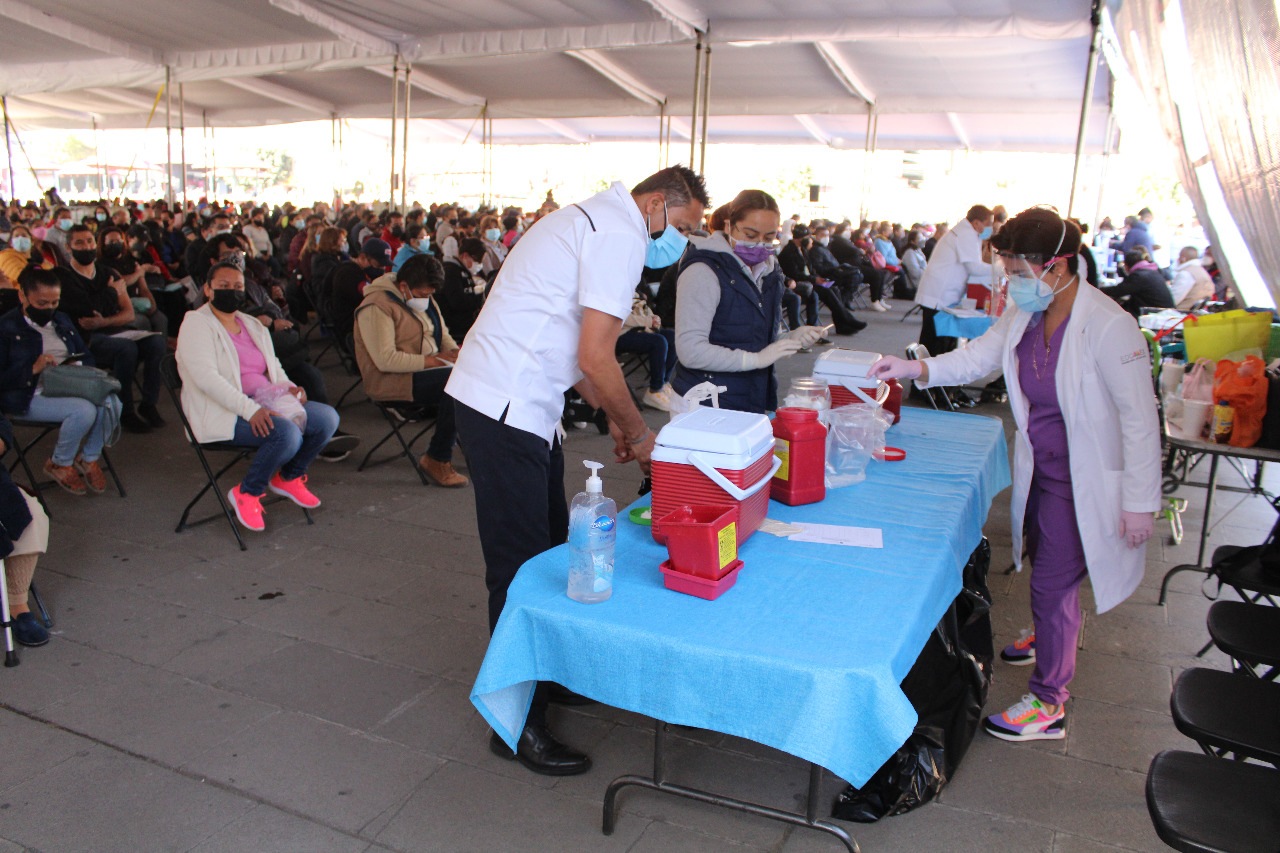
x=593, y=521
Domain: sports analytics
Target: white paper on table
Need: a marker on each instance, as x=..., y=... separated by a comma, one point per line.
x=833, y=534
x=133, y=334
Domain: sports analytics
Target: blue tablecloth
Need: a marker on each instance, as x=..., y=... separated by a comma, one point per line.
x=950, y=326
x=806, y=652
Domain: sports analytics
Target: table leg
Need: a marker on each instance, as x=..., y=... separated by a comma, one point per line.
x=1204, y=531
x=657, y=783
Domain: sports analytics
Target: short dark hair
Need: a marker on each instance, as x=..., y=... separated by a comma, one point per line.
x=34, y=277
x=979, y=213
x=421, y=271
x=414, y=232
x=1146, y=211
x=221, y=265
x=510, y=222
x=78, y=229
x=678, y=185
x=472, y=246
x=1040, y=231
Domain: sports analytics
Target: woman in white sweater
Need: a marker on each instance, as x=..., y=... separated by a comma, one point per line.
x=225, y=358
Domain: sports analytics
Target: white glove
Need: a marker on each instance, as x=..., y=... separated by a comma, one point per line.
x=1136, y=527
x=477, y=289
x=892, y=367
x=780, y=348
x=806, y=335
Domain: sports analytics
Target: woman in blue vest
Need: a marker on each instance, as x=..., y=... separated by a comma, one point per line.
x=729, y=322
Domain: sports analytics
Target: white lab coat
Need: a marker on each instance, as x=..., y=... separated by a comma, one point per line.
x=956, y=258
x=1113, y=433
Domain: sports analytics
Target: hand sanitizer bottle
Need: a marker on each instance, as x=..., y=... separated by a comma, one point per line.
x=593, y=521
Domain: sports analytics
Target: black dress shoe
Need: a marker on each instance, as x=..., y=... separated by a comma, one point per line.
x=562, y=695
x=149, y=413
x=132, y=423
x=539, y=751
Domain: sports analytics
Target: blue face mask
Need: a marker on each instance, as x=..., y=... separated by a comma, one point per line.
x=22, y=244
x=985, y=233
x=667, y=247
x=1029, y=293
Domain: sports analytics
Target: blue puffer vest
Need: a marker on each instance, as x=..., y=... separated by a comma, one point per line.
x=746, y=319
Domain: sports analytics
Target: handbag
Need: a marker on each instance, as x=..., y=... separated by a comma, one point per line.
x=77, y=380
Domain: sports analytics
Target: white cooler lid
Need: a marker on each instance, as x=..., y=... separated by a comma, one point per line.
x=740, y=438
x=843, y=362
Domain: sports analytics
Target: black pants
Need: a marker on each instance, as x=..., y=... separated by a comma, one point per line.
x=845, y=321
x=521, y=511
x=929, y=337
x=121, y=357
x=428, y=390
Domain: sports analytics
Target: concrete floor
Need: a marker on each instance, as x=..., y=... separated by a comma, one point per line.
x=310, y=694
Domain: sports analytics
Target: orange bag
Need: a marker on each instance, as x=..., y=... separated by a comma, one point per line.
x=1243, y=384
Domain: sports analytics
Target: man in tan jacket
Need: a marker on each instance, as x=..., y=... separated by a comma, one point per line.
x=406, y=355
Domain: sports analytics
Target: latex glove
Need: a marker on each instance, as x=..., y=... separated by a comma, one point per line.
x=806, y=335
x=477, y=289
x=1136, y=527
x=892, y=367
x=780, y=348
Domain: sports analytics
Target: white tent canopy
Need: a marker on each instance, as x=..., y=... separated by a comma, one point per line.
x=936, y=73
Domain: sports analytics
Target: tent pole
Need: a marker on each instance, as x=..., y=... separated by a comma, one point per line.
x=182, y=141
x=213, y=153
x=395, y=101
x=706, y=109
x=666, y=158
x=1106, y=162
x=97, y=160
x=168, y=138
x=404, y=143
x=662, y=117
x=697, y=79
x=8, y=145
x=1091, y=73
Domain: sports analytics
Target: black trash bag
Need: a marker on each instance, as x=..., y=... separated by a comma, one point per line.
x=947, y=686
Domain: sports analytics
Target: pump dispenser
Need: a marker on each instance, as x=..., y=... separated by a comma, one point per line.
x=593, y=522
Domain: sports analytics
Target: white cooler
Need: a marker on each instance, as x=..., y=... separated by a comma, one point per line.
x=846, y=375
x=714, y=457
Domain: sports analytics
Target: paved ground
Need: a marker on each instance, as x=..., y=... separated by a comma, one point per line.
x=310, y=694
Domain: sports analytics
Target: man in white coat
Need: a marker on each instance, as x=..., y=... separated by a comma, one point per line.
x=956, y=258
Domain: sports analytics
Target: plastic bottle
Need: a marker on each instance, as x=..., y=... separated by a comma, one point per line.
x=1224, y=416
x=800, y=441
x=593, y=522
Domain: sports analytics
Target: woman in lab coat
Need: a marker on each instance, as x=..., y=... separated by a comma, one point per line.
x=1087, y=453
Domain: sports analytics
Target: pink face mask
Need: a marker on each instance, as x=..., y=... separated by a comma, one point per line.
x=39, y=231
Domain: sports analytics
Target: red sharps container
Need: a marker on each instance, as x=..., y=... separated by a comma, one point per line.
x=800, y=441
x=893, y=405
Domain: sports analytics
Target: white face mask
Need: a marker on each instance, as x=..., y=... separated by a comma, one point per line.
x=473, y=268
x=418, y=303
x=823, y=241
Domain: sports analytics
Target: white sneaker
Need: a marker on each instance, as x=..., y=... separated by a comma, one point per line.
x=878, y=306
x=886, y=303
x=657, y=400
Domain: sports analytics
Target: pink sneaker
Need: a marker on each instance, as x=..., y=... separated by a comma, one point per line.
x=1027, y=720
x=248, y=509
x=294, y=490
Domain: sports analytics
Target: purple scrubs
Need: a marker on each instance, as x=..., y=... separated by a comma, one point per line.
x=1053, y=537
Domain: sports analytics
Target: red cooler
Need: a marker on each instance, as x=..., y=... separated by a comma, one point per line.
x=714, y=457
x=846, y=370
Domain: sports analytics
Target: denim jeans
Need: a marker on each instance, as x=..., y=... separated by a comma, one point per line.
x=286, y=448
x=121, y=357
x=659, y=346
x=81, y=423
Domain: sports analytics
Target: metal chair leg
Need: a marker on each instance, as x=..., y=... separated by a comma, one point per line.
x=44, y=612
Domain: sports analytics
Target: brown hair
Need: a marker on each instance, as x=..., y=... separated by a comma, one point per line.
x=331, y=240
x=747, y=202
x=1038, y=231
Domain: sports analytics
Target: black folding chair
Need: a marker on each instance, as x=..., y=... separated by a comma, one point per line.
x=346, y=350
x=44, y=428
x=1249, y=635
x=239, y=453
x=919, y=352
x=1226, y=713
x=402, y=417
x=1200, y=804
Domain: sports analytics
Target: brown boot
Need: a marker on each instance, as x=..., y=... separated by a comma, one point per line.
x=442, y=473
x=67, y=477
x=93, y=476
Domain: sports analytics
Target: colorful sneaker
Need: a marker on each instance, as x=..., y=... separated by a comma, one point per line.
x=93, y=476
x=248, y=509
x=1021, y=652
x=294, y=490
x=1027, y=720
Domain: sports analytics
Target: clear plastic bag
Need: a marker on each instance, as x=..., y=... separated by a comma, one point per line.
x=281, y=400
x=854, y=435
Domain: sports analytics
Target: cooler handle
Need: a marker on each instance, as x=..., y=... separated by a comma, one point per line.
x=736, y=492
x=858, y=392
